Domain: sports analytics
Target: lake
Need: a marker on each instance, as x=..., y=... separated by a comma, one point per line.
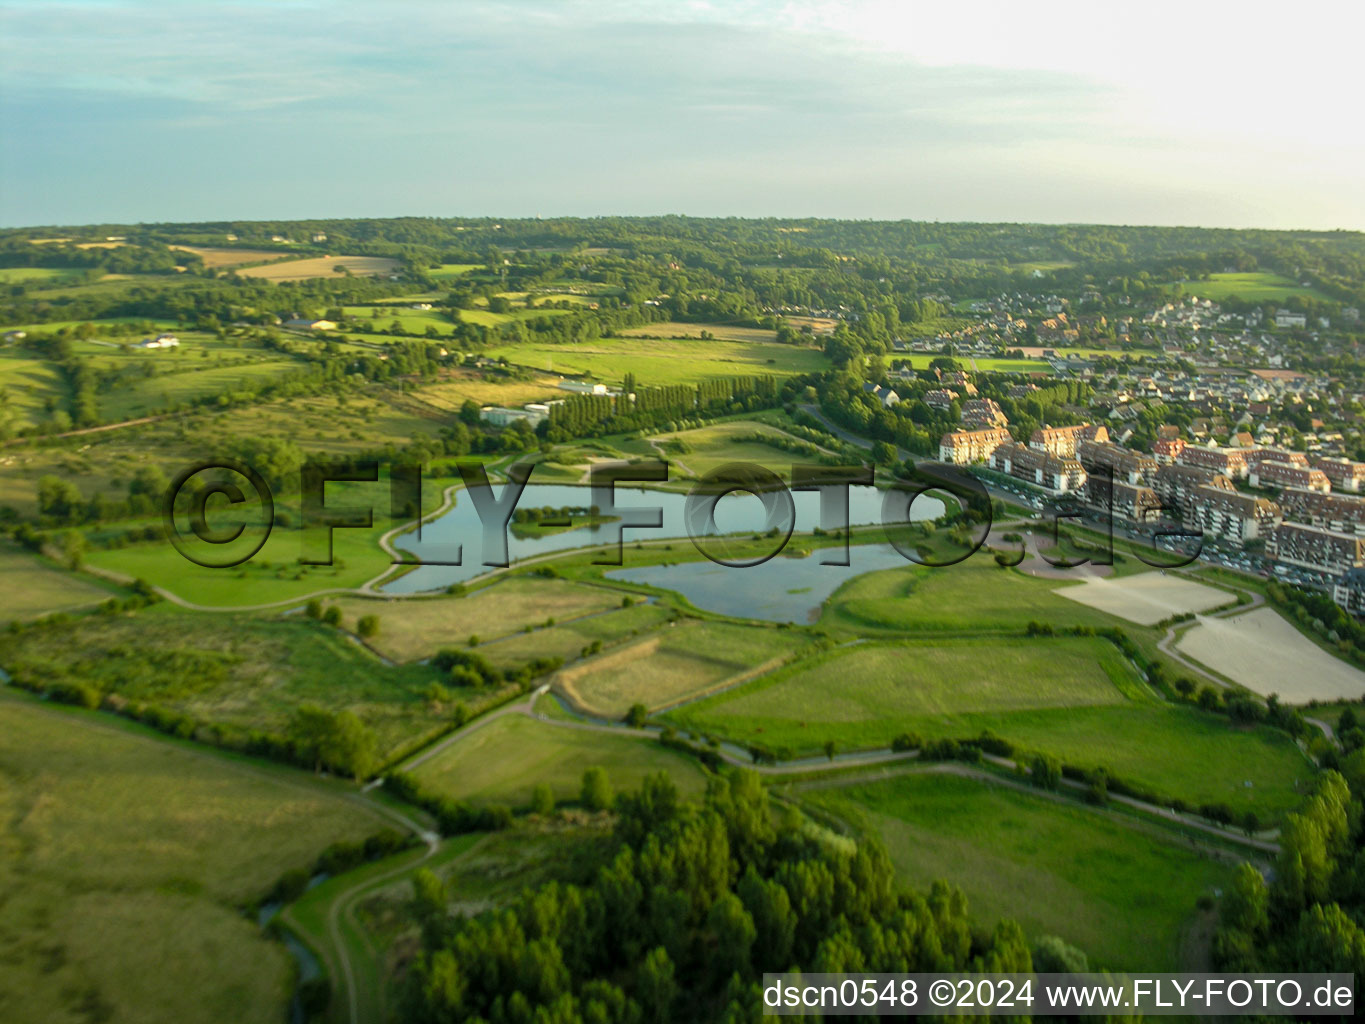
x=459, y=527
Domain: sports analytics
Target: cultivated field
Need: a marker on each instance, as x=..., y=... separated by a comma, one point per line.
x=1264, y=653
x=1123, y=895
x=322, y=266
x=568, y=640
x=126, y=860
x=1146, y=598
x=501, y=762
x=33, y=587
x=418, y=628
x=675, y=663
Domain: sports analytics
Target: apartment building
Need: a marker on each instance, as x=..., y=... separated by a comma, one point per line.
x=1317, y=549
x=1343, y=513
x=1230, y=462
x=982, y=413
x=1127, y=465
x=1058, y=475
x=1344, y=474
x=1282, y=474
x=963, y=447
x=1061, y=441
x=1228, y=514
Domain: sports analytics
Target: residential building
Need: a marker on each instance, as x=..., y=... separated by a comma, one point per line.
x=1286, y=319
x=883, y=394
x=311, y=325
x=1230, y=462
x=1344, y=474
x=582, y=387
x=1167, y=450
x=983, y=412
x=1317, y=549
x=1228, y=514
x=501, y=416
x=939, y=398
x=1061, y=441
x=1131, y=503
x=1038, y=468
x=160, y=341
x=1176, y=484
x=963, y=447
x=1127, y=465
x=1281, y=474
x=1349, y=592
x=1344, y=513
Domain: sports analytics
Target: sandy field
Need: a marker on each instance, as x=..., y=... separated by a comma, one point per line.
x=1266, y=654
x=1147, y=598
x=214, y=258
x=322, y=266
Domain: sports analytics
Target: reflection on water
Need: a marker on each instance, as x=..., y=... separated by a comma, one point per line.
x=779, y=590
x=736, y=513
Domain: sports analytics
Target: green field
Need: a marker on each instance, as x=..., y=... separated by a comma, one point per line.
x=567, y=640
x=43, y=277
x=501, y=762
x=976, y=595
x=662, y=362
x=1049, y=695
x=237, y=670
x=126, y=861
x=31, y=390
x=1122, y=895
x=412, y=629
x=675, y=663
x=694, y=453
x=1258, y=286
x=35, y=587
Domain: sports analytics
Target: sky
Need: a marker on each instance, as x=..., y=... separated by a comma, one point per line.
x=115, y=111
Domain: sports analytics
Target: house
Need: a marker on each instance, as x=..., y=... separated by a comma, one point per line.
x=883, y=394
x=964, y=447
x=311, y=325
x=1284, y=318
x=420, y=306
x=939, y=398
x=160, y=341
x=10, y=337
x=582, y=387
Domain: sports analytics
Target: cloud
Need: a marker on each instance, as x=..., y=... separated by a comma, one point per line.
x=274, y=109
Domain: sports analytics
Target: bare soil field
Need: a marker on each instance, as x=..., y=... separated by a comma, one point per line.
x=322, y=266
x=1267, y=655
x=1146, y=598
x=215, y=257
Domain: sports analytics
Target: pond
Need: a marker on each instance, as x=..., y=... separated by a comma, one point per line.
x=780, y=590
x=459, y=527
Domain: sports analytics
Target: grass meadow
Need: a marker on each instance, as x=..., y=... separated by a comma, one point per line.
x=1256, y=286
x=662, y=362
x=34, y=587
x=126, y=859
x=1124, y=895
x=501, y=762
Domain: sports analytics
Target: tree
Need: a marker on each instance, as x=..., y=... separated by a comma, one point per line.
x=830, y=748
x=73, y=548
x=332, y=616
x=655, y=987
x=542, y=800
x=367, y=626
x=637, y=716
x=883, y=453
x=314, y=609
x=1045, y=771
x=596, y=794
x=349, y=746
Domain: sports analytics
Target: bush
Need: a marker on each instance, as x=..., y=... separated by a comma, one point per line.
x=368, y=626
x=332, y=616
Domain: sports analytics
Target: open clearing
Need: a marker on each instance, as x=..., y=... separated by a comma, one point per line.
x=504, y=760
x=125, y=859
x=33, y=588
x=322, y=266
x=1122, y=895
x=1267, y=655
x=1146, y=598
x=417, y=628
x=567, y=640
x=676, y=663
